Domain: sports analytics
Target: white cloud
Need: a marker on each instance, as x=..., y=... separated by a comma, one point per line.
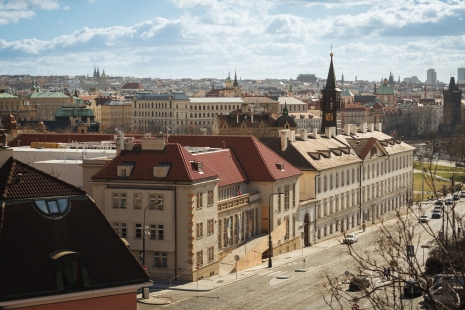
x=11, y=11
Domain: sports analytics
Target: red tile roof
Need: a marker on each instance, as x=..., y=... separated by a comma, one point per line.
x=257, y=160
x=179, y=158
x=132, y=86
x=26, y=139
x=28, y=238
x=226, y=165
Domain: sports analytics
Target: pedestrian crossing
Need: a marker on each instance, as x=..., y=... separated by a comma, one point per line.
x=272, y=273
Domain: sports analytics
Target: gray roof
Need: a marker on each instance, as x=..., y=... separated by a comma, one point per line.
x=175, y=96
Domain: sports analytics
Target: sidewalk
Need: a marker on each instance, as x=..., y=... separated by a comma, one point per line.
x=220, y=280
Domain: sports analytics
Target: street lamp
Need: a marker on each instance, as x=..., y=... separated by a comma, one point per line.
x=18, y=142
x=143, y=227
x=270, y=243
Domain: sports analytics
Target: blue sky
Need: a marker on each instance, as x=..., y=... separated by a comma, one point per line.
x=208, y=38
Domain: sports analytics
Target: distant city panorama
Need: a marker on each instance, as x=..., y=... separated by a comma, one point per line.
x=407, y=107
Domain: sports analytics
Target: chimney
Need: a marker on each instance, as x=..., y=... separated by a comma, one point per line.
x=372, y=127
x=363, y=127
x=315, y=133
x=347, y=128
x=292, y=136
x=156, y=144
x=380, y=127
x=328, y=132
x=338, y=128
x=303, y=134
x=119, y=142
x=353, y=129
x=5, y=151
x=284, y=134
x=128, y=143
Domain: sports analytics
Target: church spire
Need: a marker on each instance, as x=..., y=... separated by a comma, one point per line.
x=331, y=82
x=235, y=79
x=452, y=84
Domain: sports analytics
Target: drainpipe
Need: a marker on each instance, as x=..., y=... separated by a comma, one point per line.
x=175, y=235
x=315, y=212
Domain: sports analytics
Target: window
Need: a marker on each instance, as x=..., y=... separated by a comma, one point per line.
x=337, y=180
x=286, y=220
x=210, y=227
x=138, y=232
x=123, y=201
x=199, y=200
x=279, y=200
x=156, y=201
x=210, y=199
x=137, y=201
x=342, y=178
x=286, y=198
x=153, y=232
x=123, y=173
x=160, y=232
x=293, y=196
x=331, y=181
x=293, y=225
x=211, y=253
x=199, y=258
x=348, y=177
x=318, y=180
x=199, y=230
x=353, y=175
x=325, y=184
x=120, y=229
x=115, y=200
x=160, y=259
x=52, y=206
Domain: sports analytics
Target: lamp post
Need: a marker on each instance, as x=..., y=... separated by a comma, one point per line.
x=18, y=142
x=143, y=232
x=270, y=243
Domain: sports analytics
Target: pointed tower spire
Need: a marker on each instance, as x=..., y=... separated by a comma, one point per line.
x=452, y=84
x=331, y=82
x=235, y=79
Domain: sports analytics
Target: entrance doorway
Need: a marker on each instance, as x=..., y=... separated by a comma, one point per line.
x=306, y=230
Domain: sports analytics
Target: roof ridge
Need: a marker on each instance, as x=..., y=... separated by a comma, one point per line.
x=254, y=141
x=10, y=175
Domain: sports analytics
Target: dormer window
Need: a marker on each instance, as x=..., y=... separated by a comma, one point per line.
x=70, y=270
x=280, y=166
x=124, y=170
x=198, y=165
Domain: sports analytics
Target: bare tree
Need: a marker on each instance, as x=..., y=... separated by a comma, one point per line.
x=395, y=260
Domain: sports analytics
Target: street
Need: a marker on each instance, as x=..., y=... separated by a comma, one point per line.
x=284, y=288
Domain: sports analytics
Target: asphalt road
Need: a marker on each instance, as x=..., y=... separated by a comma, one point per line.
x=284, y=288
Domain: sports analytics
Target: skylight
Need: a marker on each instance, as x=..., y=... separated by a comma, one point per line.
x=52, y=207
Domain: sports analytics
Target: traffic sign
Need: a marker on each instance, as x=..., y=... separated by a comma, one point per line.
x=346, y=272
x=197, y=266
x=425, y=246
x=355, y=307
x=145, y=267
x=237, y=258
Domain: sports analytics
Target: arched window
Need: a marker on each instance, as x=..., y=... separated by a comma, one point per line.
x=195, y=107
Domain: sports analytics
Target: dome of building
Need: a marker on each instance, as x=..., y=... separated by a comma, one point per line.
x=385, y=89
x=285, y=118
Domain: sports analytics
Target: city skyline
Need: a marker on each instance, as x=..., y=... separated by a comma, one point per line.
x=209, y=38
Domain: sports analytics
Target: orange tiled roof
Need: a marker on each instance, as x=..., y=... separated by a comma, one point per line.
x=257, y=160
x=26, y=139
x=226, y=165
x=174, y=154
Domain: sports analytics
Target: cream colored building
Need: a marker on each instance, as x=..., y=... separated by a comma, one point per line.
x=348, y=178
x=167, y=113
x=18, y=106
x=117, y=114
x=199, y=214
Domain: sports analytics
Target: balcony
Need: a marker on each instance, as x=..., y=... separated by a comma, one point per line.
x=238, y=201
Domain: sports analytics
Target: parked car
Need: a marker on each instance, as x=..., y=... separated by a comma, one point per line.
x=423, y=219
x=438, y=208
x=436, y=214
x=459, y=164
x=413, y=288
x=359, y=282
x=456, y=197
x=449, y=201
x=349, y=239
x=462, y=194
x=438, y=203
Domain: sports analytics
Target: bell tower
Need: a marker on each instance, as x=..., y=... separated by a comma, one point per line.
x=331, y=100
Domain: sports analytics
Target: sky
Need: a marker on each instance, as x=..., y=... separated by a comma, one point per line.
x=258, y=39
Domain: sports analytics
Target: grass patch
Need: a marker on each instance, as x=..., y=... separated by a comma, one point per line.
x=417, y=177
x=438, y=168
